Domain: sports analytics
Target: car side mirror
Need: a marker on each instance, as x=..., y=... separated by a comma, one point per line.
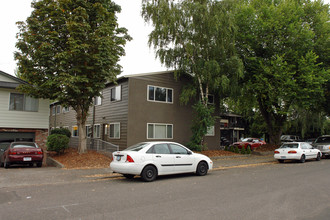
x=189, y=152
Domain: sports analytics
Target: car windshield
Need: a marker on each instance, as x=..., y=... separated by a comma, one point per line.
x=23, y=145
x=323, y=140
x=289, y=146
x=247, y=140
x=136, y=147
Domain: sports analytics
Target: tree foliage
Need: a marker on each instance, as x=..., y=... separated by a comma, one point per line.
x=68, y=50
x=196, y=38
x=283, y=45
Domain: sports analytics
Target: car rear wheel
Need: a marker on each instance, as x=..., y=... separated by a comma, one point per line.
x=281, y=161
x=202, y=169
x=6, y=164
x=1, y=164
x=318, y=158
x=39, y=164
x=128, y=176
x=302, y=159
x=149, y=173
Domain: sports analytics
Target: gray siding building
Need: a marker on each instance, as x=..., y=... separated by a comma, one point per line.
x=143, y=107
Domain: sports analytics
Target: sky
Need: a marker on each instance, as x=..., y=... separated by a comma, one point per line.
x=139, y=57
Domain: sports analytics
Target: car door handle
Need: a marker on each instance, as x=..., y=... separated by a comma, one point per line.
x=178, y=157
x=158, y=156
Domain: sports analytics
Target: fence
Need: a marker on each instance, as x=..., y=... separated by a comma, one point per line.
x=95, y=144
x=100, y=145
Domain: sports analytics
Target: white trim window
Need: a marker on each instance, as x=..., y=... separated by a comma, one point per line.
x=21, y=102
x=159, y=131
x=65, y=109
x=88, y=131
x=114, y=130
x=75, y=131
x=210, y=99
x=96, y=133
x=97, y=100
x=54, y=110
x=160, y=94
x=58, y=109
x=115, y=93
x=210, y=131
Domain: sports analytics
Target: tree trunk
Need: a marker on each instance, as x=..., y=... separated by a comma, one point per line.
x=81, y=121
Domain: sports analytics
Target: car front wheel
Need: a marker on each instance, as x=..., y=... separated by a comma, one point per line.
x=202, y=169
x=318, y=158
x=149, y=173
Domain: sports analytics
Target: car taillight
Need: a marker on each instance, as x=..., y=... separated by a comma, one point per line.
x=12, y=153
x=276, y=152
x=39, y=152
x=129, y=159
x=292, y=152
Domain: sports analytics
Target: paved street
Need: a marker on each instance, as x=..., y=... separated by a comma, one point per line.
x=239, y=188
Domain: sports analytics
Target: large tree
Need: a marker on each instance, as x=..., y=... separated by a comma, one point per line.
x=68, y=50
x=283, y=45
x=196, y=37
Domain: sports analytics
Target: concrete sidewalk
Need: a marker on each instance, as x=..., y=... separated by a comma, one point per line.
x=33, y=176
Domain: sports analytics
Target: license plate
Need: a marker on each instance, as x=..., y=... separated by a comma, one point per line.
x=283, y=157
x=118, y=158
x=27, y=159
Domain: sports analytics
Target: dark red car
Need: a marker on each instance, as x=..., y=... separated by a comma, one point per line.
x=21, y=153
x=253, y=143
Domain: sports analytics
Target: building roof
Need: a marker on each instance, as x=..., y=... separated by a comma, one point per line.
x=10, y=85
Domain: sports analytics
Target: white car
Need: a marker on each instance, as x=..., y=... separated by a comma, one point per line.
x=297, y=151
x=152, y=159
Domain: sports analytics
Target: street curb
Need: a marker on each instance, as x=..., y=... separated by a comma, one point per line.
x=53, y=162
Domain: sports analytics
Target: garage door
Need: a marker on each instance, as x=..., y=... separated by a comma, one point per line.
x=16, y=136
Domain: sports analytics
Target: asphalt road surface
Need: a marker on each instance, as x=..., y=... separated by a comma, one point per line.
x=269, y=191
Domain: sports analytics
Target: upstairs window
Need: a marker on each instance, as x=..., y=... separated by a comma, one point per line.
x=160, y=94
x=65, y=109
x=115, y=93
x=21, y=102
x=58, y=109
x=97, y=100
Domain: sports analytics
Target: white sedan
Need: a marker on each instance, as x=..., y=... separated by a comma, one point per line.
x=152, y=159
x=297, y=151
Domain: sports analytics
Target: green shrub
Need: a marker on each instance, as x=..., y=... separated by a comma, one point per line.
x=57, y=143
x=243, y=150
x=236, y=150
x=63, y=131
x=226, y=148
x=231, y=148
x=248, y=150
x=194, y=147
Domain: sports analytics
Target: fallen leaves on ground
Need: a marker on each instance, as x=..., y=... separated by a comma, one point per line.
x=267, y=148
x=71, y=159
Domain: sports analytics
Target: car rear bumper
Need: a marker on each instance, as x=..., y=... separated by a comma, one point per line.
x=25, y=158
x=126, y=168
x=287, y=157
